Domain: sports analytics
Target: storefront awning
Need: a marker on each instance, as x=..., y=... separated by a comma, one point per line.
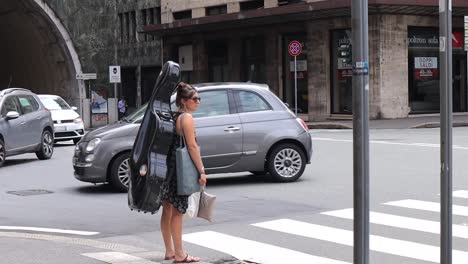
x=300, y=12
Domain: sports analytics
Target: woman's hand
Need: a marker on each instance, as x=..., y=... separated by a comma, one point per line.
x=202, y=179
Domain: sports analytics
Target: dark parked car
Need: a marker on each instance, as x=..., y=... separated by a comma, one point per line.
x=25, y=125
x=240, y=127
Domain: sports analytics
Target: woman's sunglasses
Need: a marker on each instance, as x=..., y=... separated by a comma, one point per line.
x=195, y=99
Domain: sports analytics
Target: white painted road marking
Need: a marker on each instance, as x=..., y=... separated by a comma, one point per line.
x=112, y=257
x=377, y=243
x=49, y=230
x=428, y=206
x=253, y=251
x=402, y=222
x=460, y=194
x=430, y=145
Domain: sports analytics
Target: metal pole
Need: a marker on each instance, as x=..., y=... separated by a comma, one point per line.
x=445, y=26
x=359, y=9
x=295, y=84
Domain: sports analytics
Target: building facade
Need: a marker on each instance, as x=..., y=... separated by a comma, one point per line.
x=229, y=40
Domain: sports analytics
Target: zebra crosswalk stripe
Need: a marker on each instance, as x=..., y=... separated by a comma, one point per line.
x=460, y=194
x=253, y=251
x=377, y=243
x=402, y=222
x=428, y=206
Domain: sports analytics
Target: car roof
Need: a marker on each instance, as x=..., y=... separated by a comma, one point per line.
x=11, y=90
x=231, y=85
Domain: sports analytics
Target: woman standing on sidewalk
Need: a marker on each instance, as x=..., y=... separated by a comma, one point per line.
x=174, y=205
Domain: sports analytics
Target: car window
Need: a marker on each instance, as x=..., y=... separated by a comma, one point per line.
x=251, y=102
x=213, y=103
x=54, y=103
x=136, y=116
x=27, y=103
x=10, y=105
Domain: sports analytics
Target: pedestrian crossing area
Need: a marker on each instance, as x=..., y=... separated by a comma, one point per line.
x=417, y=220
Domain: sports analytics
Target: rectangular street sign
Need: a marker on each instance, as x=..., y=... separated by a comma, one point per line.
x=114, y=74
x=86, y=76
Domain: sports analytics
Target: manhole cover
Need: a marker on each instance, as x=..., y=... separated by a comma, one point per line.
x=29, y=192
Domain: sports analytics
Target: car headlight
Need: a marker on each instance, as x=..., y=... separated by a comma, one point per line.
x=92, y=144
x=77, y=120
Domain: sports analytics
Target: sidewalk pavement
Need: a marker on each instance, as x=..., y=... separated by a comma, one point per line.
x=413, y=121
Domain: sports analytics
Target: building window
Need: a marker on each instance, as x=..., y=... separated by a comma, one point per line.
x=187, y=14
x=133, y=26
x=121, y=24
x=289, y=2
x=342, y=72
x=150, y=16
x=251, y=5
x=253, y=60
x=216, y=10
x=127, y=27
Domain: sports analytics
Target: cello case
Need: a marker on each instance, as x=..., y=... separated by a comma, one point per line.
x=152, y=144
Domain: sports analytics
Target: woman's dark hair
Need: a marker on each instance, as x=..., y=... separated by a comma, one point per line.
x=185, y=91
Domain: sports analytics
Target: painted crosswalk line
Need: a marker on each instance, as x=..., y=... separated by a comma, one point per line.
x=253, y=251
x=402, y=222
x=113, y=257
x=49, y=230
x=377, y=243
x=460, y=194
x=428, y=206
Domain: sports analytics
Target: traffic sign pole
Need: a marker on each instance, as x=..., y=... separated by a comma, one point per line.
x=294, y=49
x=295, y=85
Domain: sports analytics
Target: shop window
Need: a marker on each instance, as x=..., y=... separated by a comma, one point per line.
x=218, y=60
x=187, y=14
x=216, y=10
x=424, y=66
x=342, y=72
x=251, y=5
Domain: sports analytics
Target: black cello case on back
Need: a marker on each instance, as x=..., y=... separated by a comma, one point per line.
x=152, y=144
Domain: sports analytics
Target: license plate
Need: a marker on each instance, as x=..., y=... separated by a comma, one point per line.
x=60, y=128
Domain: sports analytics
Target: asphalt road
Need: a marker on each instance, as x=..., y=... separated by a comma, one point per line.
x=256, y=219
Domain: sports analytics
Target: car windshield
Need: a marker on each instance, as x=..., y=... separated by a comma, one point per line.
x=136, y=116
x=54, y=103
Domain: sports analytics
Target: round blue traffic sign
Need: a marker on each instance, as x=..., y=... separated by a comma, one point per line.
x=294, y=48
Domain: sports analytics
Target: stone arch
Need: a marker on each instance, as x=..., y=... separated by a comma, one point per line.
x=37, y=51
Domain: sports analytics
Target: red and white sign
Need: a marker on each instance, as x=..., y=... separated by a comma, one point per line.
x=294, y=48
x=426, y=74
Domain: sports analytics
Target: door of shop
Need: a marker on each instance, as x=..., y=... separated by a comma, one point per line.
x=459, y=83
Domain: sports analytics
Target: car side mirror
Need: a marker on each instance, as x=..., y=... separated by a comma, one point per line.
x=12, y=115
x=74, y=108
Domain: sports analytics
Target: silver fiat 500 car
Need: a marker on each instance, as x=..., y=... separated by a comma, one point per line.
x=240, y=127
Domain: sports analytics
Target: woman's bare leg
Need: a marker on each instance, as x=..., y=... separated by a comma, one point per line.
x=166, y=219
x=176, y=229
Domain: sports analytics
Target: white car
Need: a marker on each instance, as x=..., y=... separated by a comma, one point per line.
x=67, y=122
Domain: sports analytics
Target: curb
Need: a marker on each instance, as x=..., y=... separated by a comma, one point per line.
x=437, y=124
x=328, y=126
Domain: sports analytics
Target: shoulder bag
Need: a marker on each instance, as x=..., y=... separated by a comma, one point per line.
x=187, y=172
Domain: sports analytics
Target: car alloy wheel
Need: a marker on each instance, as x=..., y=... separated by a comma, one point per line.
x=119, y=174
x=286, y=162
x=47, y=146
x=124, y=172
x=2, y=153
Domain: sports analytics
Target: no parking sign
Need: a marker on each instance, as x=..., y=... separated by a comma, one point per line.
x=294, y=49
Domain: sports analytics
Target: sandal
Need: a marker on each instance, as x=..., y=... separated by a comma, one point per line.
x=169, y=258
x=188, y=259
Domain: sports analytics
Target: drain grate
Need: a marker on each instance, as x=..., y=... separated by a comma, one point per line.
x=29, y=192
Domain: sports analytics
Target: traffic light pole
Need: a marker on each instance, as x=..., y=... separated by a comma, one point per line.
x=445, y=26
x=359, y=9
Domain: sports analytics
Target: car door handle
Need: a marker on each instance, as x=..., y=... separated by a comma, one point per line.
x=231, y=129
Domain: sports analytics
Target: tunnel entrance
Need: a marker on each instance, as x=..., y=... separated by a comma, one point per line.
x=36, y=52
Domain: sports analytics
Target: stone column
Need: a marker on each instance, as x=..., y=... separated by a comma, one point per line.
x=272, y=61
x=200, y=59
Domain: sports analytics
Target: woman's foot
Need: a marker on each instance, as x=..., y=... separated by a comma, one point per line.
x=169, y=255
x=187, y=259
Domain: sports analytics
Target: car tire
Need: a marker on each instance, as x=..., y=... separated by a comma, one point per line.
x=76, y=140
x=47, y=146
x=2, y=153
x=120, y=172
x=286, y=162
